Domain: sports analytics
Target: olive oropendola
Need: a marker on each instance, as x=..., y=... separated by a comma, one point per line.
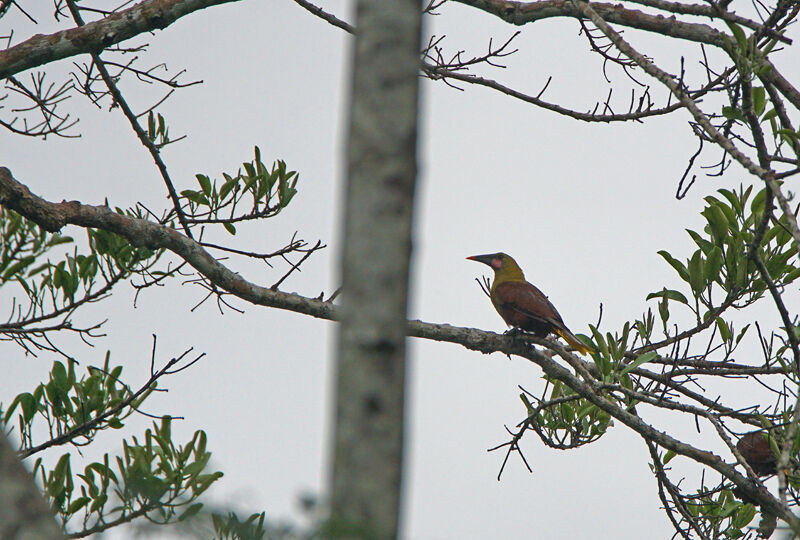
x=521, y=304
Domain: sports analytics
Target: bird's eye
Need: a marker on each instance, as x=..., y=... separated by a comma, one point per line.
x=497, y=262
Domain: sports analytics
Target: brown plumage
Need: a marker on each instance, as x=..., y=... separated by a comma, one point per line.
x=521, y=304
x=755, y=450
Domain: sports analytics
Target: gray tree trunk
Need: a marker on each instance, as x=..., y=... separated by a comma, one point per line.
x=381, y=173
x=24, y=515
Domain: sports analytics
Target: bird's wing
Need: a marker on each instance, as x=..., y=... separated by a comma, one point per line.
x=526, y=300
x=525, y=306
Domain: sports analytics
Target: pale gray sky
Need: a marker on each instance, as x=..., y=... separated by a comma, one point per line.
x=582, y=207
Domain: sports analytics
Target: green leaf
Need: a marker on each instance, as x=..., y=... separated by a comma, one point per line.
x=772, y=113
x=103, y=470
x=193, y=509
x=201, y=441
x=788, y=135
x=732, y=113
x=194, y=196
x=38, y=269
x=193, y=469
x=738, y=33
x=58, y=239
x=59, y=373
x=251, y=171
x=669, y=293
x=759, y=100
x=724, y=330
x=717, y=221
x=99, y=502
x=641, y=359
x=227, y=187
x=11, y=409
x=600, y=341
x=205, y=184
x=777, y=263
x=18, y=267
x=744, y=515
x=272, y=178
x=676, y=264
x=696, y=275
x=29, y=406
x=791, y=276
x=61, y=470
x=663, y=310
x=165, y=430
x=528, y=405
x=729, y=508
x=732, y=199
x=757, y=206
x=204, y=481
x=229, y=227
x=77, y=504
x=701, y=242
x=668, y=456
x=713, y=264
x=286, y=196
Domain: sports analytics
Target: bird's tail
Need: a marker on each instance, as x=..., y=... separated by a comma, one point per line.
x=573, y=340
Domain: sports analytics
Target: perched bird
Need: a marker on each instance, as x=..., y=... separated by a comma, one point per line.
x=755, y=450
x=521, y=304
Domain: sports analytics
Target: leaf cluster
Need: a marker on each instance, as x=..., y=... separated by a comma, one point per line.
x=722, y=263
x=55, y=283
x=264, y=191
x=720, y=514
x=562, y=419
x=153, y=478
x=74, y=410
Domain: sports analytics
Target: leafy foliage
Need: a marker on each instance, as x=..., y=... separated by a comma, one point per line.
x=75, y=410
x=654, y=362
x=54, y=289
x=153, y=478
x=265, y=191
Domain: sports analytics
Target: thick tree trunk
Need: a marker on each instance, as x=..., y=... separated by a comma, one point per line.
x=381, y=172
x=24, y=515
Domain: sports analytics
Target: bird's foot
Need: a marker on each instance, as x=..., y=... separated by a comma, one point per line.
x=517, y=336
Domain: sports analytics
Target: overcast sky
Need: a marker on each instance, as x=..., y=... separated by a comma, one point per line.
x=582, y=207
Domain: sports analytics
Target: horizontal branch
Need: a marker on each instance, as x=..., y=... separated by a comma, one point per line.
x=713, y=12
x=142, y=233
x=436, y=72
x=519, y=13
x=95, y=36
x=139, y=232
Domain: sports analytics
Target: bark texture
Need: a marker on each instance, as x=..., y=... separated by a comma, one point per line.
x=23, y=513
x=381, y=173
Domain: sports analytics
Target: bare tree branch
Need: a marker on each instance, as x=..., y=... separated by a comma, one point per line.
x=117, y=27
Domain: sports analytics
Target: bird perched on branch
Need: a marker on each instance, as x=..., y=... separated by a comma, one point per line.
x=756, y=451
x=521, y=304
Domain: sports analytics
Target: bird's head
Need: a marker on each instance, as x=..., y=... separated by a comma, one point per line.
x=505, y=268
